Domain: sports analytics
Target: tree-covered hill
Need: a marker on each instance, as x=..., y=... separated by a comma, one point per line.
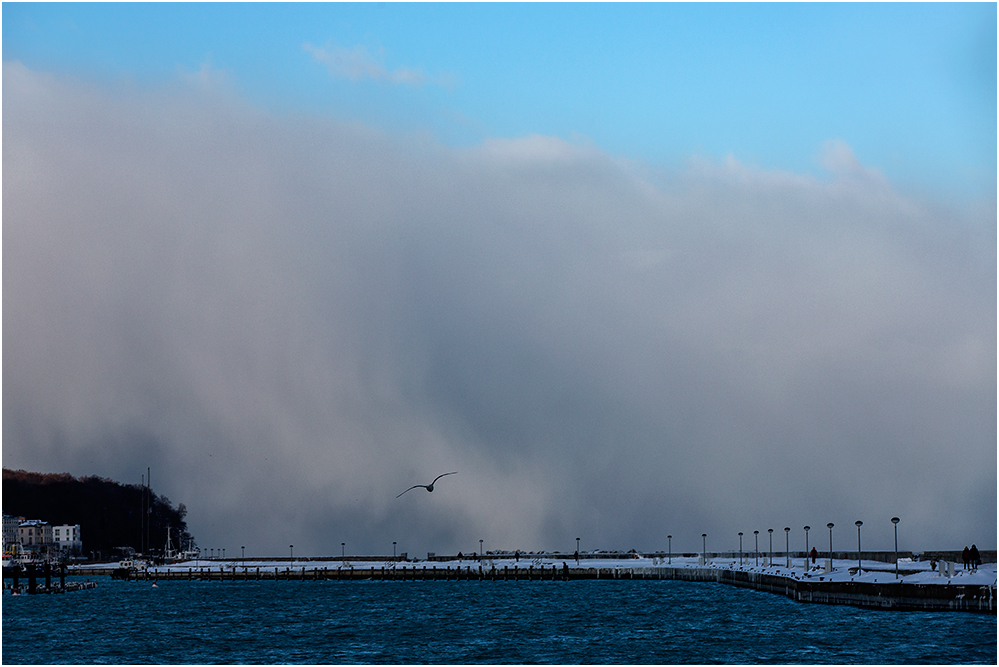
x=109, y=513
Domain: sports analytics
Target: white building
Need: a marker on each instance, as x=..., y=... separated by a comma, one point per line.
x=10, y=524
x=67, y=537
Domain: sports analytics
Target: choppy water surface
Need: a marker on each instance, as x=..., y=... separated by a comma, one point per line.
x=522, y=622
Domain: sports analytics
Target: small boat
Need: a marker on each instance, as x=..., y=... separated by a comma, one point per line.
x=127, y=567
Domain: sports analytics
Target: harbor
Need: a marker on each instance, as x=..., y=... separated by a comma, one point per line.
x=913, y=585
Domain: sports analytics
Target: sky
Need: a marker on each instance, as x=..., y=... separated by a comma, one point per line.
x=631, y=270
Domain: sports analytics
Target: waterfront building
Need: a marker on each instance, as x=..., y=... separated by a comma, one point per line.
x=33, y=533
x=10, y=524
x=67, y=538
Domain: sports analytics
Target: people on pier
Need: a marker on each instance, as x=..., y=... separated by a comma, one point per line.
x=814, y=554
x=974, y=557
x=966, y=556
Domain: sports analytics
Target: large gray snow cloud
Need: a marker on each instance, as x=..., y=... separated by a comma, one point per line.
x=292, y=319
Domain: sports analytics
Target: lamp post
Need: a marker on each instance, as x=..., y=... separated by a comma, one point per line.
x=291, y=552
x=480, y=551
x=895, y=521
x=756, y=551
x=343, y=546
x=704, y=548
x=858, y=524
x=393, y=550
x=787, y=546
x=670, y=550
x=807, y=528
x=211, y=553
x=577, y=551
x=830, y=527
x=771, y=561
x=740, y=549
x=243, y=556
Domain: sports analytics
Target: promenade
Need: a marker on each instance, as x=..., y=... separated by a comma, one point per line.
x=917, y=585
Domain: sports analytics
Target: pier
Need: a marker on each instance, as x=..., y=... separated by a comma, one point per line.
x=34, y=586
x=889, y=595
x=816, y=588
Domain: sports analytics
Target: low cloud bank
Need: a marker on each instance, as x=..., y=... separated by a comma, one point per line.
x=292, y=320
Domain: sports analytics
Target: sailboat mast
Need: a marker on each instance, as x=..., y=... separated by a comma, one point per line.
x=142, y=516
x=149, y=504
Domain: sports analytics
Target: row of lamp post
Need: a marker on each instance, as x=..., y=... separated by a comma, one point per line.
x=704, y=537
x=343, y=545
x=787, y=545
x=291, y=551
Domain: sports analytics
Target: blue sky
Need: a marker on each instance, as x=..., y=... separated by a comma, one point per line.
x=632, y=270
x=910, y=87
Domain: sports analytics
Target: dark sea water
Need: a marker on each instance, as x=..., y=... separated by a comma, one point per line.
x=459, y=622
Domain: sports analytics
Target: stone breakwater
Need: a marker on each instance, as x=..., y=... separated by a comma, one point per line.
x=898, y=596
x=891, y=595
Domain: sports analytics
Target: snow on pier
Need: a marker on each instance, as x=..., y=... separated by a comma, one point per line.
x=874, y=584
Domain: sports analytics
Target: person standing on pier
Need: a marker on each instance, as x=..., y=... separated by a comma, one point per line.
x=966, y=556
x=975, y=557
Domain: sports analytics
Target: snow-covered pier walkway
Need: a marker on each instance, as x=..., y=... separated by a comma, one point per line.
x=918, y=585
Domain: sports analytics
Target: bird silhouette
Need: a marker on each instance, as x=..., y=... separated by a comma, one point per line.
x=429, y=487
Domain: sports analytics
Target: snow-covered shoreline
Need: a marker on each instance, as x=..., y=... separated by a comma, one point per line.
x=843, y=570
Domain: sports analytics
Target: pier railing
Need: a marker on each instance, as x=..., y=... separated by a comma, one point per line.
x=803, y=588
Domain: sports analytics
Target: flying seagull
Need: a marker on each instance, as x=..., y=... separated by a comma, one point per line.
x=430, y=486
